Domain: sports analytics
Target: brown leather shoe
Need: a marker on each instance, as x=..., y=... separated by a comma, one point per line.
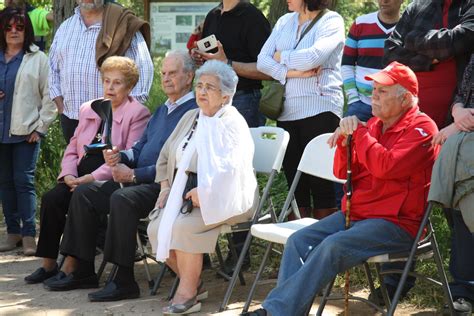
x=29, y=246
x=11, y=242
x=319, y=213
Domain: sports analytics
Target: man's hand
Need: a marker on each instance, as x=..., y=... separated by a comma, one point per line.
x=463, y=118
x=34, y=137
x=332, y=141
x=122, y=174
x=111, y=156
x=193, y=195
x=303, y=73
x=59, y=104
x=442, y=136
x=349, y=124
x=220, y=55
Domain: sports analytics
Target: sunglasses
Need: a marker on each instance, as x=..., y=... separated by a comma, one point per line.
x=18, y=27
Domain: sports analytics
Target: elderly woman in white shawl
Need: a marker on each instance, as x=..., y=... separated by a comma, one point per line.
x=213, y=142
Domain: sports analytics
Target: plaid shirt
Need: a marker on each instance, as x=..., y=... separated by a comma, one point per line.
x=73, y=70
x=419, y=36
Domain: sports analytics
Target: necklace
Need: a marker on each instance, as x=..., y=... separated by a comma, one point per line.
x=193, y=128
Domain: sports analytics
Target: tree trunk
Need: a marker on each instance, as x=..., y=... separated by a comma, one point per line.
x=277, y=9
x=62, y=10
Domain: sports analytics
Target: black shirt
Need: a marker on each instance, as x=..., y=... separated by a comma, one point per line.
x=242, y=31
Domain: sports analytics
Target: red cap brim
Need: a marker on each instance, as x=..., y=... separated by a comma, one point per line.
x=381, y=77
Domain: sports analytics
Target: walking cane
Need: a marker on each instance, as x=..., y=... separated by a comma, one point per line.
x=348, y=214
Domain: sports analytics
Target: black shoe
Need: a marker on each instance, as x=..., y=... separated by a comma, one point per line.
x=58, y=276
x=114, y=292
x=258, y=312
x=70, y=282
x=377, y=296
x=40, y=275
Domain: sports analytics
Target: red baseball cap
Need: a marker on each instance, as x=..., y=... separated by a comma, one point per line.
x=396, y=73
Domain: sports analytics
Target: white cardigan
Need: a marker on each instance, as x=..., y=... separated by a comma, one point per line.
x=32, y=109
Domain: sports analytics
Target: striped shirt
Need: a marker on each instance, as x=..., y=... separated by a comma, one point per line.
x=362, y=56
x=320, y=47
x=73, y=70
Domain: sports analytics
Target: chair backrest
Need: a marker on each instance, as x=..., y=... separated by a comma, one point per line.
x=318, y=159
x=270, y=147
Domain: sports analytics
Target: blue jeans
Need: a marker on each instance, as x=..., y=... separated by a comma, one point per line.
x=17, y=187
x=246, y=102
x=362, y=110
x=314, y=255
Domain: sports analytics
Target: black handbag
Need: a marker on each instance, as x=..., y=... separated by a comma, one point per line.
x=190, y=184
x=273, y=99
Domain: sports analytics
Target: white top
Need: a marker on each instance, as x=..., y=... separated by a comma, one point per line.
x=73, y=70
x=321, y=47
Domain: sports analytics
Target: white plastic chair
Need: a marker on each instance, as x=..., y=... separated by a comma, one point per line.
x=270, y=147
x=317, y=160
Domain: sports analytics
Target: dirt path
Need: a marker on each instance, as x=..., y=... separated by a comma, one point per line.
x=18, y=298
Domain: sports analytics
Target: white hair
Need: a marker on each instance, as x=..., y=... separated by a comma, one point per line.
x=227, y=77
x=401, y=91
x=188, y=63
x=90, y=6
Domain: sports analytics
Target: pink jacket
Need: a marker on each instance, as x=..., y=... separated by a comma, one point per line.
x=129, y=122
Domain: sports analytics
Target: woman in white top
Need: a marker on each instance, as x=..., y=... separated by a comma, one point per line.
x=213, y=144
x=309, y=66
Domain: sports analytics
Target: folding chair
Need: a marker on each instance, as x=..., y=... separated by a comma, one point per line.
x=317, y=160
x=422, y=249
x=270, y=147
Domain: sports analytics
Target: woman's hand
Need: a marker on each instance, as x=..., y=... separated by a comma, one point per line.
x=162, y=198
x=34, y=137
x=111, y=156
x=277, y=56
x=193, y=195
x=332, y=141
x=440, y=138
x=70, y=181
x=81, y=180
x=463, y=118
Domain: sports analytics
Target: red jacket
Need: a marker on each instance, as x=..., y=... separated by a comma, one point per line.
x=391, y=172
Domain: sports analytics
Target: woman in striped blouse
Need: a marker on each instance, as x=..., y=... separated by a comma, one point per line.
x=310, y=69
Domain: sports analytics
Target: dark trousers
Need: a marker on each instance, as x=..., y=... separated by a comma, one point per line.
x=54, y=207
x=68, y=127
x=461, y=262
x=301, y=133
x=90, y=202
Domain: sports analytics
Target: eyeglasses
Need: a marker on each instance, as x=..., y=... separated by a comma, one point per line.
x=18, y=27
x=206, y=87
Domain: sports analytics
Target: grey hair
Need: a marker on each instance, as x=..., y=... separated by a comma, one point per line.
x=401, y=91
x=227, y=77
x=188, y=63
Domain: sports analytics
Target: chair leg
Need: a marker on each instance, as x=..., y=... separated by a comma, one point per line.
x=61, y=260
x=257, y=277
x=173, y=289
x=324, y=299
x=141, y=248
x=158, y=279
x=112, y=273
x=101, y=269
x=237, y=269
x=233, y=250
x=383, y=288
x=442, y=274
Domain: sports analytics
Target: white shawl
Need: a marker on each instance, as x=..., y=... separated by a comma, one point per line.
x=226, y=181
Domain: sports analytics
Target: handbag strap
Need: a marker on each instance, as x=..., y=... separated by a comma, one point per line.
x=310, y=26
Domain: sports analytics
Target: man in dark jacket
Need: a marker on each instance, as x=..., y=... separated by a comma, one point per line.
x=135, y=168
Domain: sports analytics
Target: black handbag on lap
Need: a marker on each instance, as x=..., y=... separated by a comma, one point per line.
x=190, y=184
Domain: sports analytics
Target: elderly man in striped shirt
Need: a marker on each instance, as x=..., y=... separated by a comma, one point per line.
x=74, y=76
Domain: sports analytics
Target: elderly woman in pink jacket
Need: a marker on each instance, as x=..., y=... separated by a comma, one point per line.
x=119, y=76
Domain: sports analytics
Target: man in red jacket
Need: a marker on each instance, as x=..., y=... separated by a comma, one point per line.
x=392, y=160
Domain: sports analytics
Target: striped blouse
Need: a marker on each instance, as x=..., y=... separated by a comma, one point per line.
x=321, y=47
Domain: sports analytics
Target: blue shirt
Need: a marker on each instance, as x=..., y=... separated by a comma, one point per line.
x=8, y=72
x=144, y=154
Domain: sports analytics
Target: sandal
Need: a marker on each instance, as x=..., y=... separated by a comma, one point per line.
x=202, y=294
x=188, y=307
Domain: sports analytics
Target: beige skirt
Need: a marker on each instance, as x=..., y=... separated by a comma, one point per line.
x=190, y=234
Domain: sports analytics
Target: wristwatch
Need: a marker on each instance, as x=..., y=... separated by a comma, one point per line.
x=134, y=178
